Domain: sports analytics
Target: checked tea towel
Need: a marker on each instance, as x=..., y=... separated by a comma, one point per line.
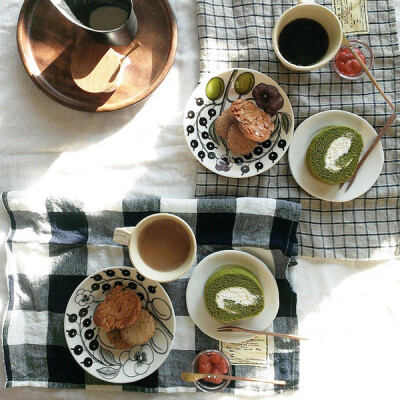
x=54, y=243
x=236, y=33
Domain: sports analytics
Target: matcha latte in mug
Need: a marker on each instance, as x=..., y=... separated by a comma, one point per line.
x=162, y=247
x=306, y=36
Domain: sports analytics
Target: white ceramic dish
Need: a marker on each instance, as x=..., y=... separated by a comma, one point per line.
x=197, y=307
x=214, y=95
x=368, y=173
x=90, y=346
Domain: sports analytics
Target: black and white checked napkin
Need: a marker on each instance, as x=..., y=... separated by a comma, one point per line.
x=237, y=33
x=54, y=243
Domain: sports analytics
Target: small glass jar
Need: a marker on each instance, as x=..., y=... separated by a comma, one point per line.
x=209, y=387
x=365, y=50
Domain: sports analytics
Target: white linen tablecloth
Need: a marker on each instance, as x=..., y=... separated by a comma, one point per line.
x=349, y=309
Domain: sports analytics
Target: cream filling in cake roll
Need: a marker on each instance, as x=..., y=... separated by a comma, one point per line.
x=338, y=148
x=238, y=295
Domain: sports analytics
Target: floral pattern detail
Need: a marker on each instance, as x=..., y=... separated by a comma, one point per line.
x=84, y=297
x=137, y=361
x=90, y=346
x=217, y=94
x=223, y=164
x=268, y=98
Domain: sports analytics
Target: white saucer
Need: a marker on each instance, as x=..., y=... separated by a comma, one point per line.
x=368, y=173
x=197, y=307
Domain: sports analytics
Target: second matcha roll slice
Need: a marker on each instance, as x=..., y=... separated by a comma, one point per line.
x=233, y=293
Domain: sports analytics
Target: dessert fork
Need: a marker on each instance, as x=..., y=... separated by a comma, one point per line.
x=229, y=328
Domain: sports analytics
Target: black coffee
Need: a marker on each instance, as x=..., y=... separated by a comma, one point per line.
x=303, y=42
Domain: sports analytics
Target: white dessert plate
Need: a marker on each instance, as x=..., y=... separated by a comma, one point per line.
x=215, y=94
x=90, y=346
x=197, y=307
x=368, y=173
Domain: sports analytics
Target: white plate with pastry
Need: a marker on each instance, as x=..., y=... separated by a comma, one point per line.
x=317, y=124
x=108, y=355
x=232, y=284
x=250, y=140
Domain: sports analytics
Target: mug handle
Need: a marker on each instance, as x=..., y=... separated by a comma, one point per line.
x=122, y=235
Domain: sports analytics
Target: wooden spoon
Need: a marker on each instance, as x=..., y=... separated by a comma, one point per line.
x=130, y=50
x=192, y=377
x=369, y=151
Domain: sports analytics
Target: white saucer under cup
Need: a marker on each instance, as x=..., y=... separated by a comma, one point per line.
x=304, y=134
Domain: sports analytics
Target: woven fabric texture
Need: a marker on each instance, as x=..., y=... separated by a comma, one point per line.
x=55, y=243
x=236, y=33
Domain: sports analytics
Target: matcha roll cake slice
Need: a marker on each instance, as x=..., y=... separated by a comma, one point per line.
x=334, y=153
x=233, y=293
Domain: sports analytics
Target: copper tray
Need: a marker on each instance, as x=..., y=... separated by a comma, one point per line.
x=46, y=41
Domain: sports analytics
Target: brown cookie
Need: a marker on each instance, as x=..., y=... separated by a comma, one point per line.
x=223, y=124
x=253, y=122
x=120, y=309
x=141, y=331
x=239, y=143
x=116, y=340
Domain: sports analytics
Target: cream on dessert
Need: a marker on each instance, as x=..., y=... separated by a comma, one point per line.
x=338, y=148
x=334, y=153
x=235, y=295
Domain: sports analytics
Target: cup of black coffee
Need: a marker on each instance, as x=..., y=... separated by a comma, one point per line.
x=307, y=36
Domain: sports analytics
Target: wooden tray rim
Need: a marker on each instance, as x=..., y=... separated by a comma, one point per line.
x=21, y=31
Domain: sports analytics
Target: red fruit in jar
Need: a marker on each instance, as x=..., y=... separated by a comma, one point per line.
x=222, y=366
x=341, y=67
x=215, y=358
x=204, y=368
x=360, y=53
x=353, y=67
x=347, y=64
x=212, y=364
x=216, y=381
x=204, y=364
x=204, y=357
x=343, y=57
x=216, y=371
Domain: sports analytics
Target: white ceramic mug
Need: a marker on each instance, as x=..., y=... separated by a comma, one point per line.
x=130, y=237
x=310, y=10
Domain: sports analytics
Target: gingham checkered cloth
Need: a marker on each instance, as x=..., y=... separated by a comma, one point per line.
x=237, y=33
x=54, y=243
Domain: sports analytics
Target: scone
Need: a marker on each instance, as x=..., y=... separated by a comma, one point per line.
x=223, y=124
x=253, y=122
x=116, y=340
x=239, y=143
x=141, y=331
x=120, y=309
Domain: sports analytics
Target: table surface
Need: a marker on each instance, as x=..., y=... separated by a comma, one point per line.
x=351, y=316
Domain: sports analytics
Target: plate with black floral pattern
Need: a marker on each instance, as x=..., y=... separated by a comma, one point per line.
x=214, y=95
x=89, y=344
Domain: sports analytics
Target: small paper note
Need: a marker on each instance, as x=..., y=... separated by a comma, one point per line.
x=251, y=352
x=353, y=14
